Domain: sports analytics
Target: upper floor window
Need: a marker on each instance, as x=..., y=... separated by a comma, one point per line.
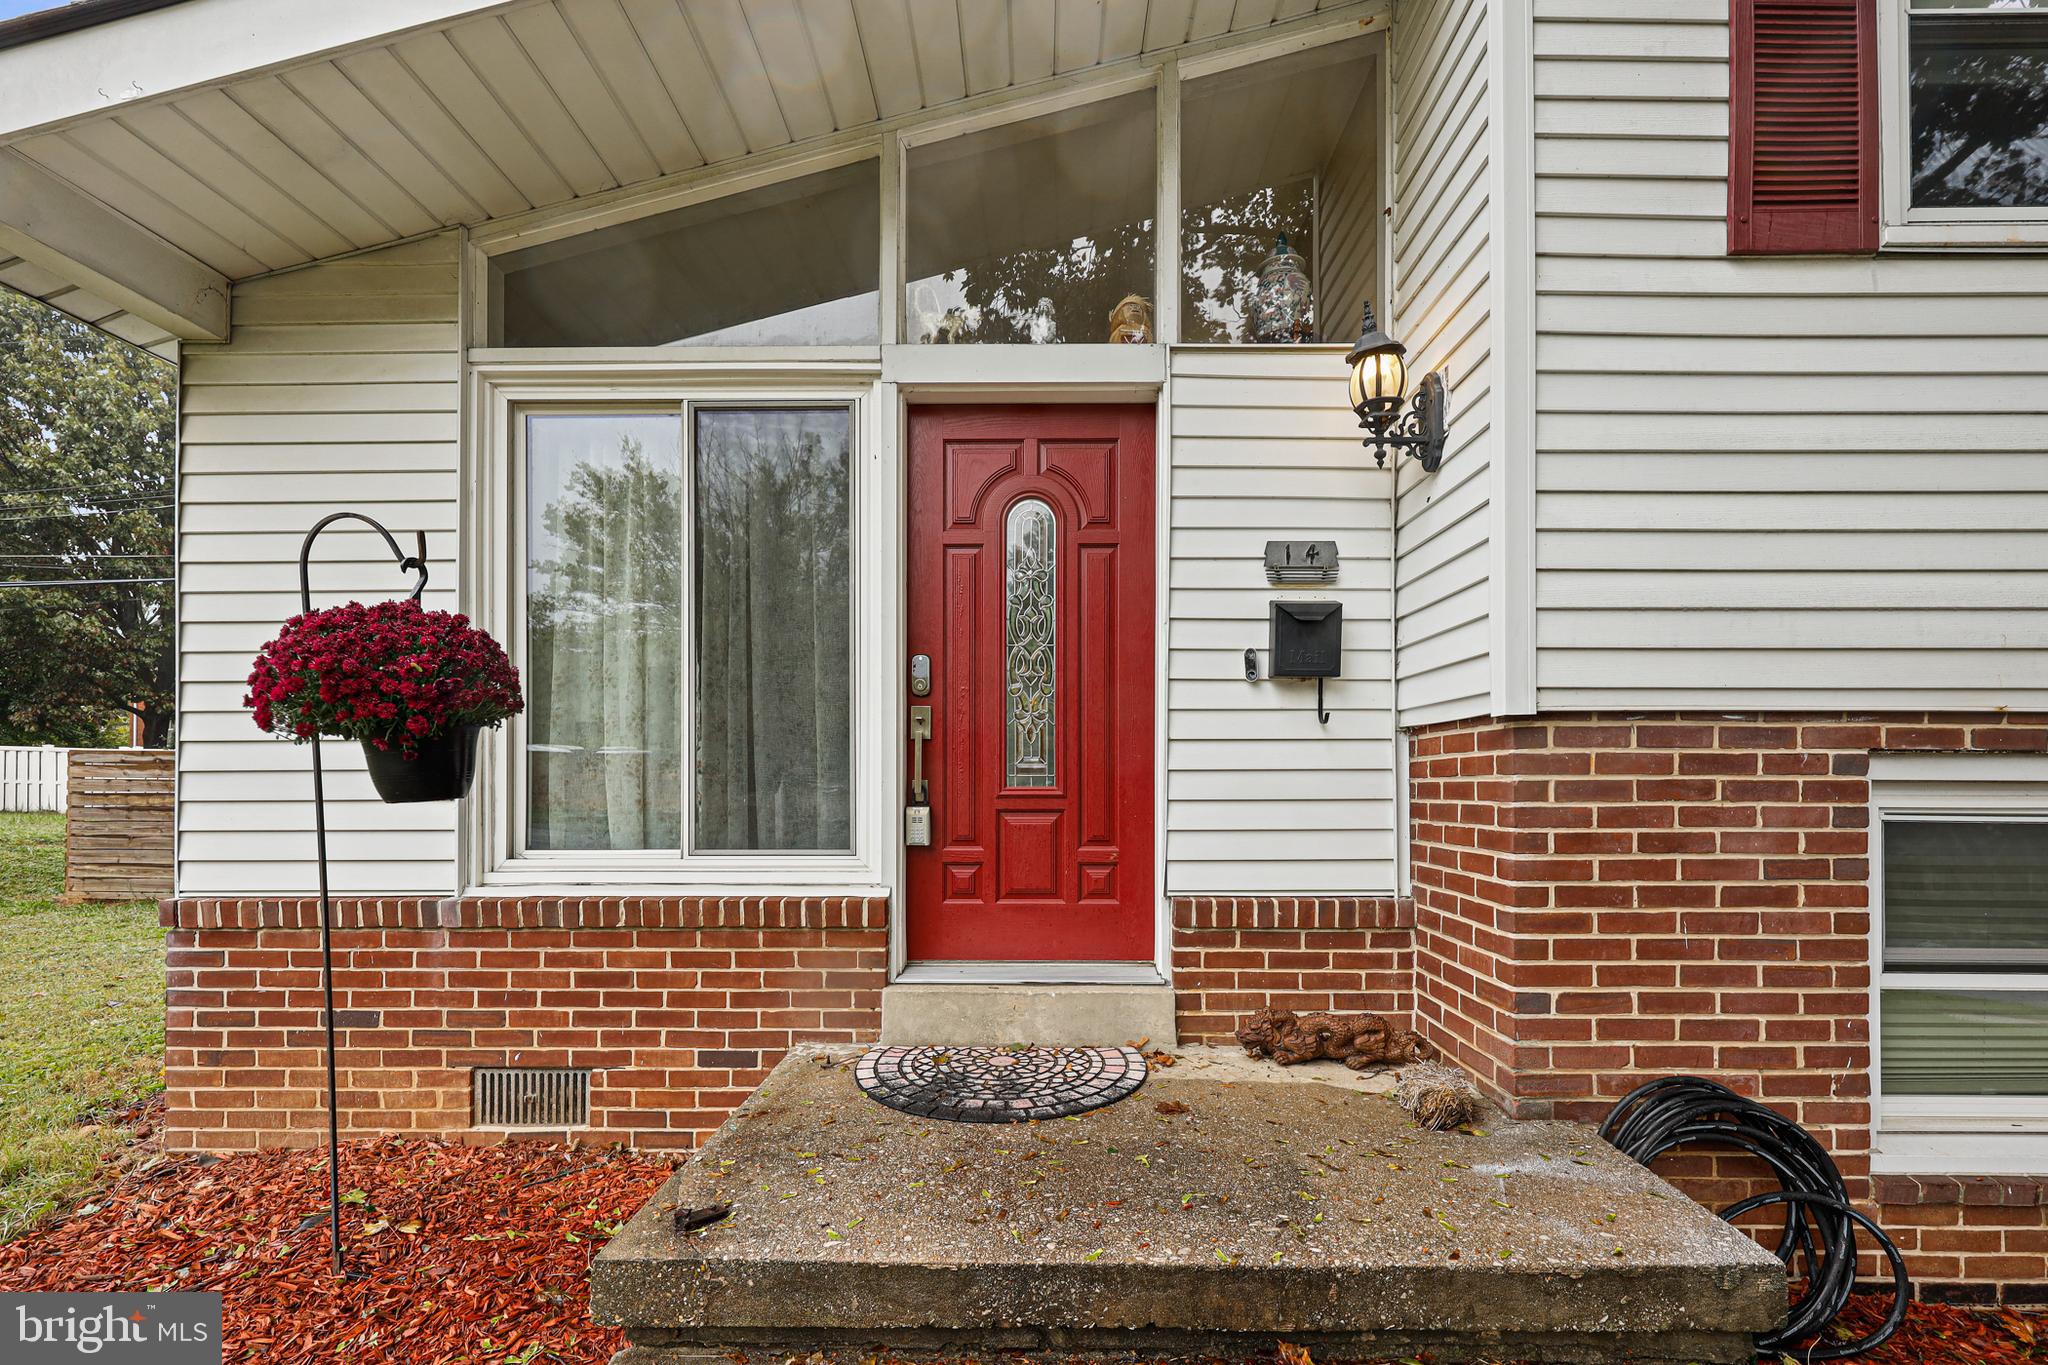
x=1977, y=103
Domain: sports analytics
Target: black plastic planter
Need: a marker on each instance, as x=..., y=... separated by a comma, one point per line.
x=443, y=770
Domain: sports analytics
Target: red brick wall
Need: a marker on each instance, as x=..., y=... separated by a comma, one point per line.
x=1603, y=899
x=680, y=1007
x=1981, y=1240
x=1234, y=956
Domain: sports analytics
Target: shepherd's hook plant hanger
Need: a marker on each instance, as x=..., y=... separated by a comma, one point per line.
x=413, y=563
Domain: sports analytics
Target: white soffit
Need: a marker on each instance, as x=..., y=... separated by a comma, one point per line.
x=245, y=151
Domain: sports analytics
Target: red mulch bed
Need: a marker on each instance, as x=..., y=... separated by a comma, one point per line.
x=1935, y=1334
x=482, y=1254
x=465, y=1253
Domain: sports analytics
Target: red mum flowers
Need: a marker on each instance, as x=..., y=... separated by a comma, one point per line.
x=390, y=674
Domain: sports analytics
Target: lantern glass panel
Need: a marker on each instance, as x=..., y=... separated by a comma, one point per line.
x=1378, y=380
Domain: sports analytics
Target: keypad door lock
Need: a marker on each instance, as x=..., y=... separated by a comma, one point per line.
x=917, y=816
x=920, y=675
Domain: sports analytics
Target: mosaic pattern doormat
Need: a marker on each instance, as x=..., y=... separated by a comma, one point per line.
x=999, y=1084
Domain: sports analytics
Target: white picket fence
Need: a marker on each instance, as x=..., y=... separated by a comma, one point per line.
x=32, y=777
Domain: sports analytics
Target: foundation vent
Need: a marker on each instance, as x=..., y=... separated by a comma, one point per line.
x=530, y=1097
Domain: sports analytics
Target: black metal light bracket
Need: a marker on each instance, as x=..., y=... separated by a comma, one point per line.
x=1418, y=432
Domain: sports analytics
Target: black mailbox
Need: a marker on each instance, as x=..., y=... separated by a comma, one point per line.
x=1308, y=639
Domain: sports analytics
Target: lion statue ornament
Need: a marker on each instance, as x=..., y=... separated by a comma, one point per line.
x=1357, y=1040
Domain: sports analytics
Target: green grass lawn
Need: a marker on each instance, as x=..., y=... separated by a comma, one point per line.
x=81, y=1024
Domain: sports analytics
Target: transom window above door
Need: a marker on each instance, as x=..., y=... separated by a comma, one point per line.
x=687, y=635
x=797, y=263
x=1032, y=231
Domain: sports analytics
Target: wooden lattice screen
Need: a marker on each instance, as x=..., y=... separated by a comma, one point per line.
x=118, y=823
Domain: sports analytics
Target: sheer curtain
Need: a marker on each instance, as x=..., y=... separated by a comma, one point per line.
x=774, y=675
x=604, y=631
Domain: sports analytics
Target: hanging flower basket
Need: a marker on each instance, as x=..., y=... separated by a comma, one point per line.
x=413, y=686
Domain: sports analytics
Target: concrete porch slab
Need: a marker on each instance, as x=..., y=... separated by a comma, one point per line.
x=1199, y=1217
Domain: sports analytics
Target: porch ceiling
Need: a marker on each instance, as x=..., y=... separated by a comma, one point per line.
x=537, y=103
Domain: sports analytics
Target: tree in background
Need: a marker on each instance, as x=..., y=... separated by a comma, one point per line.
x=87, y=443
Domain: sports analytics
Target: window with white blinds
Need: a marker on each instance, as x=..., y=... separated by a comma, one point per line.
x=1964, y=898
x=1960, y=887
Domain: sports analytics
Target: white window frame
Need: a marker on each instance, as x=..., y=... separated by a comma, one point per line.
x=1963, y=1134
x=505, y=394
x=1905, y=226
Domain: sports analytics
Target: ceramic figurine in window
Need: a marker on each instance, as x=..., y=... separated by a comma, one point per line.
x=1131, y=320
x=1283, y=305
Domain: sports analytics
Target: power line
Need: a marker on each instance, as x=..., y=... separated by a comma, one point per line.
x=111, y=554
x=10, y=515
x=77, y=582
x=68, y=500
x=67, y=487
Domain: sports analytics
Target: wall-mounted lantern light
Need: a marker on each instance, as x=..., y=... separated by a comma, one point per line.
x=1379, y=381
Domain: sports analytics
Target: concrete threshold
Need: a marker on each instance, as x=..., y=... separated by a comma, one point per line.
x=960, y=1014
x=1204, y=1216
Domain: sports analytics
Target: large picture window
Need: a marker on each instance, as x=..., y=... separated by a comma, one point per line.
x=687, y=592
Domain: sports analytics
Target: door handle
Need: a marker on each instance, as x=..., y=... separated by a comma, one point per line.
x=920, y=731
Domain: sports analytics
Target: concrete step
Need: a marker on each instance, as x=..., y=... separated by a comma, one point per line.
x=960, y=1014
x=1196, y=1218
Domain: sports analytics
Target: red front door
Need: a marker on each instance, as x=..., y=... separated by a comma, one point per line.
x=1031, y=553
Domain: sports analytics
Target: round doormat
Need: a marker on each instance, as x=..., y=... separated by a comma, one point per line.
x=999, y=1084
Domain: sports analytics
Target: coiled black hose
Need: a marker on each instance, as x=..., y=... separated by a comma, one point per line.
x=1819, y=1224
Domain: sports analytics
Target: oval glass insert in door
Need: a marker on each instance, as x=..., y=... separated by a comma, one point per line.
x=1030, y=602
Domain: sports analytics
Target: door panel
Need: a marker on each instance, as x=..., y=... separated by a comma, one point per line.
x=1041, y=638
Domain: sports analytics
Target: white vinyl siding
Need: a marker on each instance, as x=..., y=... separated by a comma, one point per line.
x=1442, y=313
x=1260, y=798
x=1797, y=483
x=1348, y=217
x=337, y=391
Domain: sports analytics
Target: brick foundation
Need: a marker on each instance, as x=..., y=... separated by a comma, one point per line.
x=1233, y=956
x=1603, y=899
x=678, y=1005
x=1598, y=900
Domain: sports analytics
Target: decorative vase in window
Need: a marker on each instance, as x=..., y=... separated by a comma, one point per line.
x=1283, y=304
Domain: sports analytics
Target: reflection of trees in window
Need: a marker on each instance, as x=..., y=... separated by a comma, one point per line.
x=1222, y=246
x=1048, y=294
x=774, y=682
x=1065, y=293
x=1979, y=90
x=599, y=533
x=604, y=633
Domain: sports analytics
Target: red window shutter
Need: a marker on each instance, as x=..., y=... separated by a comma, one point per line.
x=1802, y=130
